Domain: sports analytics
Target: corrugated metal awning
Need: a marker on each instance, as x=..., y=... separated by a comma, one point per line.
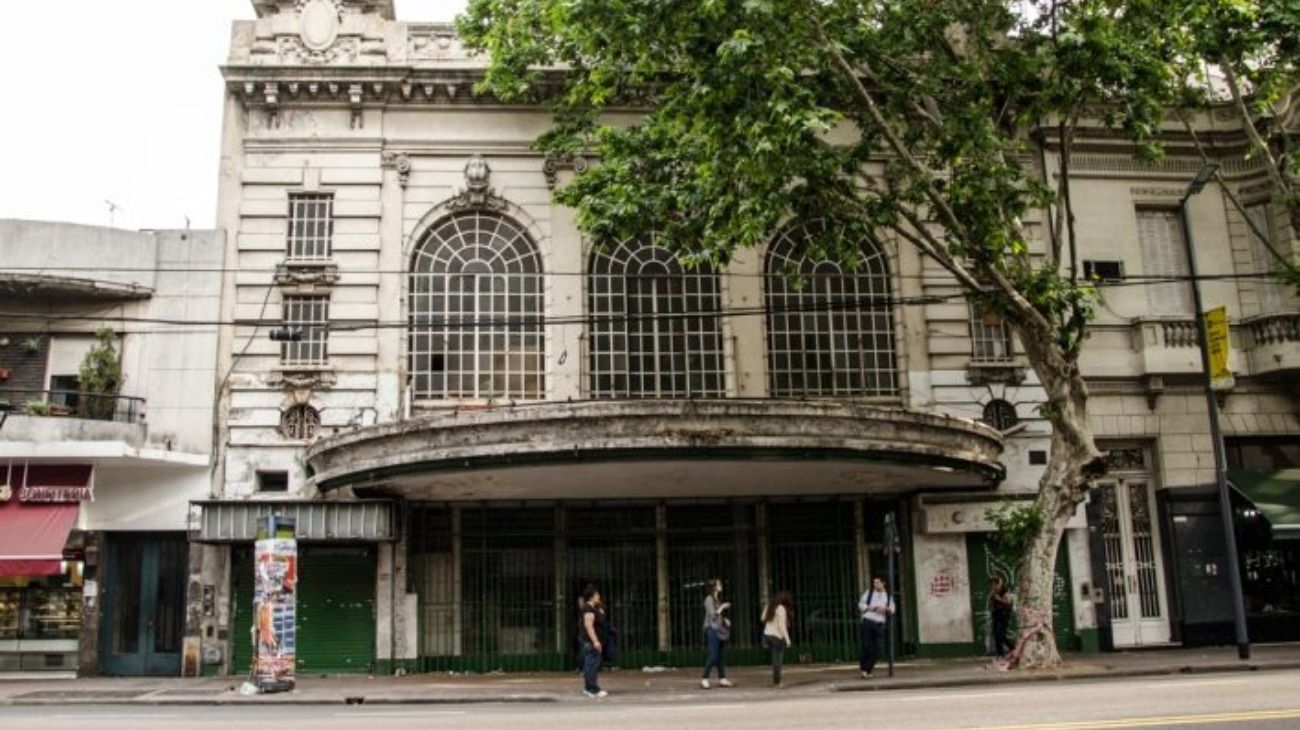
x=355, y=521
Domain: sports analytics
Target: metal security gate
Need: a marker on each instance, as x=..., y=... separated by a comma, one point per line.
x=984, y=564
x=1134, y=572
x=614, y=549
x=813, y=550
x=336, y=609
x=705, y=542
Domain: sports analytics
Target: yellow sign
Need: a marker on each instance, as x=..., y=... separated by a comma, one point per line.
x=1216, y=337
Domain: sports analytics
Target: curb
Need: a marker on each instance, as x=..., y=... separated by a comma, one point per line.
x=1012, y=678
x=256, y=701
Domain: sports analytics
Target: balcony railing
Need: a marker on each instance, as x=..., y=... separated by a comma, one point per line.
x=1272, y=329
x=72, y=404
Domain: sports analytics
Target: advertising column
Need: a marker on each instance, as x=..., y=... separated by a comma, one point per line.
x=275, y=583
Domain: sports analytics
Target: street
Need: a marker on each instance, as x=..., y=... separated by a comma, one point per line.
x=1237, y=700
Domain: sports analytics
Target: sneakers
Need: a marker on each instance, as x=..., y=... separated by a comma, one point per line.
x=866, y=675
x=725, y=683
x=596, y=695
x=704, y=684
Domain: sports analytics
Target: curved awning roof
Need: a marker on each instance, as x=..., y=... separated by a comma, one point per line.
x=661, y=449
x=1277, y=495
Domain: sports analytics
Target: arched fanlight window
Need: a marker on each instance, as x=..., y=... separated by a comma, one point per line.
x=830, y=331
x=300, y=423
x=476, y=310
x=656, y=330
x=1000, y=414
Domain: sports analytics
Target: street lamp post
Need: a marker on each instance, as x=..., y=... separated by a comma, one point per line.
x=1216, y=434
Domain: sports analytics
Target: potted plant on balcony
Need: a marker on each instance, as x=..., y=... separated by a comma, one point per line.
x=100, y=377
x=37, y=408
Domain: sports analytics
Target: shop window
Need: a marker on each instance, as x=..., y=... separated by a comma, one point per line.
x=830, y=331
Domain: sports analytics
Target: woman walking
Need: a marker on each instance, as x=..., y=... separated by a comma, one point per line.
x=591, y=628
x=717, y=629
x=776, y=630
x=875, y=607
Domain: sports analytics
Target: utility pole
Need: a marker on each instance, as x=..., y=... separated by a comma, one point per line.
x=1212, y=404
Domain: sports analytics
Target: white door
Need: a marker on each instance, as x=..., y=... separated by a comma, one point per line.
x=1136, y=590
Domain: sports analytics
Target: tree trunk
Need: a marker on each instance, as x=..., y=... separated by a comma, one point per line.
x=1074, y=462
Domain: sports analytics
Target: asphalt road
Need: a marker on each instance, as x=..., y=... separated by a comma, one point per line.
x=1237, y=700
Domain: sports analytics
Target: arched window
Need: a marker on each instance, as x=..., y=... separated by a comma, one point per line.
x=830, y=332
x=476, y=308
x=300, y=423
x=655, y=329
x=1000, y=414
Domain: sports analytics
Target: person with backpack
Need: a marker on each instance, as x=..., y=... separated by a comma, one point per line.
x=776, y=630
x=717, y=629
x=591, y=630
x=875, y=607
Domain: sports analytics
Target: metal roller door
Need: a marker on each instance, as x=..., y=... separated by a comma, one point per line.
x=336, y=610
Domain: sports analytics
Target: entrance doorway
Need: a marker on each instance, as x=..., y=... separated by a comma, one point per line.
x=143, y=618
x=1135, y=575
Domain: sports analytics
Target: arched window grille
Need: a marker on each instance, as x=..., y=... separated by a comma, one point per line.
x=1000, y=414
x=655, y=329
x=300, y=423
x=830, y=332
x=476, y=309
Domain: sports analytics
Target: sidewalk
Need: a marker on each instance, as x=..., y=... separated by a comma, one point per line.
x=670, y=685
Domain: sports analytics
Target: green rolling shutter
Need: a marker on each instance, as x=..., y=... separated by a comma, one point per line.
x=983, y=563
x=336, y=610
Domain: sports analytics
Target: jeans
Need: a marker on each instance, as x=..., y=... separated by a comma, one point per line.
x=777, y=645
x=717, y=658
x=590, y=666
x=873, y=638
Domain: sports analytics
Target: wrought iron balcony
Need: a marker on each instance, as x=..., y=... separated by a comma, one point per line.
x=72, y=404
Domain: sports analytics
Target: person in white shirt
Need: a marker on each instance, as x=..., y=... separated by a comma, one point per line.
x=875, y=607
x=776, y=630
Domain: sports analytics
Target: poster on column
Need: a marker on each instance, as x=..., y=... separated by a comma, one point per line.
x=275, y=611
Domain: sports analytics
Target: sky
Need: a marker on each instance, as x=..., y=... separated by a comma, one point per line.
x=120, y=100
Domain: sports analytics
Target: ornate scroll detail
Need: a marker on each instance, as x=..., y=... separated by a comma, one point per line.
x=400, y=162
x=478, y=192
x=554, y=163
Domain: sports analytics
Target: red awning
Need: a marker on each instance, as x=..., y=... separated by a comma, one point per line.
x=32, y=537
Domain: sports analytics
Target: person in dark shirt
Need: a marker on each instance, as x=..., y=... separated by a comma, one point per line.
x=591, y=629
x=1000, y=602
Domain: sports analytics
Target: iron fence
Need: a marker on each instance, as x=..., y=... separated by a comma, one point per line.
x=73, y=404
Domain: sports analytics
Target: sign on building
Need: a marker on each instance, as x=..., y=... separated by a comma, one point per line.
x=1216, y=337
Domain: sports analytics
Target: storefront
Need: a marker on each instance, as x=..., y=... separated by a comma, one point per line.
x=41, y=564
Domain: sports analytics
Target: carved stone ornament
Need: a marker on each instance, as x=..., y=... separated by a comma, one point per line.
x=553, y=164
x=303, y=379
x=401, y=163
x=318, y=23
x=478, y=192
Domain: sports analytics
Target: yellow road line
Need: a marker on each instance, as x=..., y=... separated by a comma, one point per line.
x=1154, y=721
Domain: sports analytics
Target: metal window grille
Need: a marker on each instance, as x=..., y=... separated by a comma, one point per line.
x=311, y=226
x=311, y=316
x=830, y=332
x=656, y=330
x=1000, y=414
x=476, y=311
x=300, y=423
x=990, y=336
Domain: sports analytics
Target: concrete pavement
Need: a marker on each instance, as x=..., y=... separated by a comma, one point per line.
x=670, y=685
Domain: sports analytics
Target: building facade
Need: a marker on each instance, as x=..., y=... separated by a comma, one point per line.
x=95, y=485
x=472, y=413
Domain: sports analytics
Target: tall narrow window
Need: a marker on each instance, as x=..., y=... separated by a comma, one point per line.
x=310, y=316
x=830, y=332
x=990, y=336
x=1164, y=259
x=311, y=226
x=1274, y=296
x=476, y=311
x=656, y=329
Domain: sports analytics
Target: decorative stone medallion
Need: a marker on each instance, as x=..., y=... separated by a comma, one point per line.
x=319, y=24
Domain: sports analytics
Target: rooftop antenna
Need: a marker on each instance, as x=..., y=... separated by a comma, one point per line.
x=113, y=208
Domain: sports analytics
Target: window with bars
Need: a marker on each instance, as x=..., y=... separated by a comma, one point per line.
x=300, y=423
x=1160, y=235
x=1000, y=414
x=990, y=336
x=311, y=226
x=1274, y=295
x=656, y=330
x=830, y=332
x=476, y=311
x=309, y=316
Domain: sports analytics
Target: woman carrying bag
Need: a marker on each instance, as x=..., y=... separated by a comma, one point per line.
x=717, y=629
